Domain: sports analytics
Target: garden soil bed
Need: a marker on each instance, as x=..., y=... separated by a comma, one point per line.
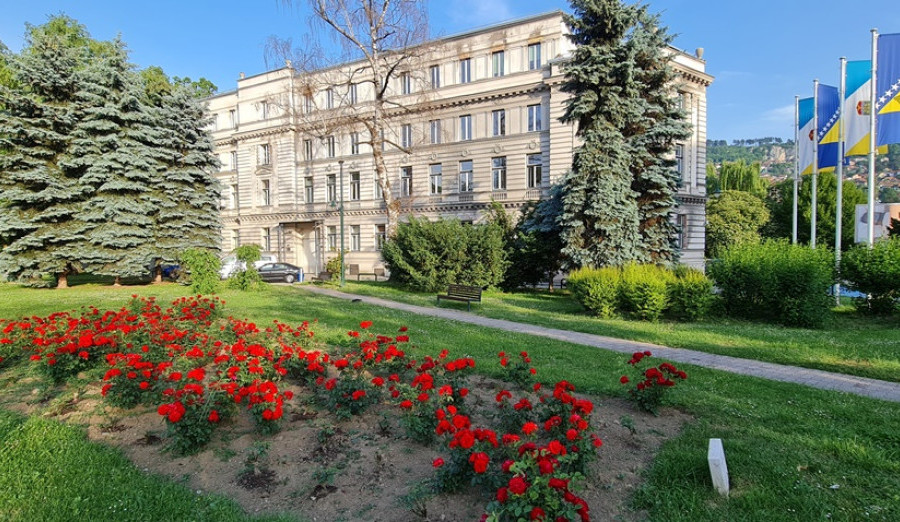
x=328, y=469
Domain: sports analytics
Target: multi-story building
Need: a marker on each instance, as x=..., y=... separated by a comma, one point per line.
x=486, y=128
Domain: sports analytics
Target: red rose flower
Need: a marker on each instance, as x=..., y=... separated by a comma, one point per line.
x=529, y=427
x=518, y=485
x=438, y=462
x=537, y=514
x=502, y=495
x=365, y=324
x=479, y=462
x=214, y=416
x=624, y=379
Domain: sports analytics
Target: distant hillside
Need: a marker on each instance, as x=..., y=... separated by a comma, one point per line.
x=775, y=156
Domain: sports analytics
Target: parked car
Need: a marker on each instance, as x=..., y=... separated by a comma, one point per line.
x=230, y=265
x=265, y=258
x=278, y=272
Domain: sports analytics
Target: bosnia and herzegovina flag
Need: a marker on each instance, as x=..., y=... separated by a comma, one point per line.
x=828, y=111
x=857, y=98
x=805, y=134
x=887, y=89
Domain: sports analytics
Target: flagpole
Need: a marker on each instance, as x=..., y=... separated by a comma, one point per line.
x=814, y=196
x=872, y=139
x=839, y=174
x=796, y=167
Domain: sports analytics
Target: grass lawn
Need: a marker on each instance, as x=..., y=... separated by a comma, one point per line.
x=794, y=453
x=849, y=343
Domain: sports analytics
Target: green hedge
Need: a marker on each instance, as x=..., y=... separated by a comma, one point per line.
x=775, y=282
x=874, y=271
x=428, y=256
x=643, y=291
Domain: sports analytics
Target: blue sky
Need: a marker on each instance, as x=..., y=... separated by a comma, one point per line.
x=761, y=53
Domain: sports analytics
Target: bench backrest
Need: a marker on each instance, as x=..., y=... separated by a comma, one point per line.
x=472, y=292
x=354, y=270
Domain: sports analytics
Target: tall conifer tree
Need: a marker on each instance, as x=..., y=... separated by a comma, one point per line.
x=187, y=193
x=618, y=198
x=40, y=199
x=112, y=153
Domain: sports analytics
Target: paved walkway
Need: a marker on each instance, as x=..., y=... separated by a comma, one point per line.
x=888, y=391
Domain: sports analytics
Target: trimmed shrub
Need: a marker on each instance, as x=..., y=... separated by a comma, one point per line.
x=203, y=266
x=690, y=294
x=874, y=271
x=776, y=282
x=248, y=278
x=428, y=256
x=642, y=291
x=597, y=289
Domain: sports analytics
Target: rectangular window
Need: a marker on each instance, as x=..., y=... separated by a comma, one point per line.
x=465, y=176
x=435, y=128
x=406, y=136
x=534, y=118
x=437, y=180
x=679, y=158
x=329, y=146
x=497, y=59
x=435, y=75
x=233, y=157
x=332, y=238
x=354, y=186
x=378, y=193
x=263, y=154
x=535, y=170
x=465, y=70
x=465, y=127
x=263, y=110
x=329, y=98
x=309, y=189
x=266, y=198
x=235, y=239
x=331, y=188
x=354, y=143
x=232, y=119
x=307, y=150
x=498, y=120
x=355, y=239
x=267, y=239
x=534, y=56
x=498, y=173
x=352, y=94
x=405, y=83
x=234, y=196
x=405, y=181
x=681, y=223
x=380, y=236
x=215, y=122
x=307, y=103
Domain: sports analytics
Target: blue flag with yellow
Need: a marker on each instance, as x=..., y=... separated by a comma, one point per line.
x=887, y=90
x=828, y=112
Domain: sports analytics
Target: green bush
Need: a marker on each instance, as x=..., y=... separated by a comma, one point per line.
x=690, y=294
x=874, y=271
x=642, y=291
x=333, y=265
x=203, y=266
x=248, y=278
x=428, y=256
x=597, y=289
x=776, y=282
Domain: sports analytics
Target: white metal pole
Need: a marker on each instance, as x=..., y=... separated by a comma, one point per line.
x=839, y=175
x=815, y=172
x=796, y=167
x=873, y=142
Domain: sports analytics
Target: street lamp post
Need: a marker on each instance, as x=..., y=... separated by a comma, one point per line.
x=341, y=212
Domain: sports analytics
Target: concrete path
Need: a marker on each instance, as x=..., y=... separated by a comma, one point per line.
x=888, y=391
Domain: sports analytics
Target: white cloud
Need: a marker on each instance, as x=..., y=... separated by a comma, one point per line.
x=784, y=114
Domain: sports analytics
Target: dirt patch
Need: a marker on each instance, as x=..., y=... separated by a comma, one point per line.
x=329, y=469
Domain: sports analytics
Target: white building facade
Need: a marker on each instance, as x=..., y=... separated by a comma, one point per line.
x=480, y=123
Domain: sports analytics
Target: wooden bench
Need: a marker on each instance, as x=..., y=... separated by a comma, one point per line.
x=354, y=271
x=463, y=293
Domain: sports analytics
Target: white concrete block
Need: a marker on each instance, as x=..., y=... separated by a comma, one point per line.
x=718, y=469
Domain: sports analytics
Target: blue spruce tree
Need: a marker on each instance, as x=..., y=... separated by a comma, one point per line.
x=618, y=198
x=40, y=198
